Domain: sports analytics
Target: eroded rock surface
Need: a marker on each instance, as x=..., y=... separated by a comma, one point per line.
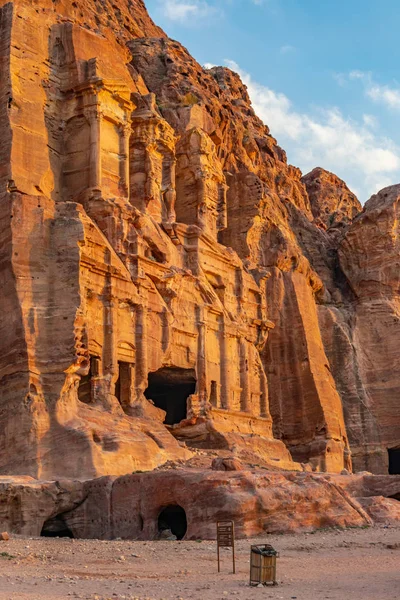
x=257, y=500
x=332, y=203
x=26, y=504
x=169, y=281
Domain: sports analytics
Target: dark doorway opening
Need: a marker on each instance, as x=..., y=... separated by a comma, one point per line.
x=173, y=518
x=85, y=385
x=394, y=461
x=56, y=527
x=213, y=394
x=169, y=388
x=123, y=384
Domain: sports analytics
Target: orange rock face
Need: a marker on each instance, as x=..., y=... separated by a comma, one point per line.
x=165, y=280
x=133, y=506
x=332, y=203
x=257, y=502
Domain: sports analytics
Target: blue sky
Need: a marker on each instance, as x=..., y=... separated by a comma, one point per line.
x=322, y=74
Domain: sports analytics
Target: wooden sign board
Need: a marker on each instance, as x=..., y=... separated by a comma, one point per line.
x=226, y=539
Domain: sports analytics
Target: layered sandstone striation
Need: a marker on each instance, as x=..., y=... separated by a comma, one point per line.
x=258, y=501
x=169, y=281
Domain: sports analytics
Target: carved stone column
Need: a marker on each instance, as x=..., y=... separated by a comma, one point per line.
x=264, y=404
x=170, y=194
x=110, y=308
x=244, y=376
x=94, y=116
x=141, y=347
x=225, y=395
x=125, y=133
x=201, y=355
x=222, y=222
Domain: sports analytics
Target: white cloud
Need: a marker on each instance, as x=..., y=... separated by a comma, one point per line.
x=188, y=12
x=287, y=49
x=185, y=10
x=370, y=121
x=340, y=78
x=386, y=95
x=326, y=138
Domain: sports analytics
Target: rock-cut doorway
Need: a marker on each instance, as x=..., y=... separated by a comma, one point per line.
x=169, y=389
x=394, y=461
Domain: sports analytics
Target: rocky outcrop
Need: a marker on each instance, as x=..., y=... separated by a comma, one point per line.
x=382, y=510
x=26, y=504
x=333, y=205
x=170, y=282
x=258, y=501
x=129, y=507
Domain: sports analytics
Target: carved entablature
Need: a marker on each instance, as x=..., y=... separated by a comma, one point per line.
x=201, y=185
x=96, y=138
x=152, y=162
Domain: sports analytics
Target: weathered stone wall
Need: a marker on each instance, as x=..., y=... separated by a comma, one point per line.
x=369, y=256
x=128, y=507
x=161, y=260
x=259, y=502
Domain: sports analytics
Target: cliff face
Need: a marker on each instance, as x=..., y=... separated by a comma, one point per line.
x=167, y=276
x=332, y=203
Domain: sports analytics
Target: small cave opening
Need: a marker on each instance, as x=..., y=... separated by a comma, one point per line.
x=169, y=389
x=394, y=461
x=56, y=527
x=173, y=518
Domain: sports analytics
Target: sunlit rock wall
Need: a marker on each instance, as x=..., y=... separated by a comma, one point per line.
x=166, y=280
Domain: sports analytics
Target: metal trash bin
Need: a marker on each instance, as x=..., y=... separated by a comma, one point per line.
x=263, y=565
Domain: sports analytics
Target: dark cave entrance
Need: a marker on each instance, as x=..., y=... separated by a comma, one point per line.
x=173, y=517
x=394, y=461
x=169, y=388
x=56, y=527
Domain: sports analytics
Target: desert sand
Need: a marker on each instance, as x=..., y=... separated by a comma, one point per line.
x=350, y=564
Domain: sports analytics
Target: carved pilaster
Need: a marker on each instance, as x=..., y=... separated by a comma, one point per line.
x=264, y=407
x=222, y=222
x=244, y=376
x=201, y=354
x=225, y=388
x=94, y=117
x=141, y=347
x=125, y=132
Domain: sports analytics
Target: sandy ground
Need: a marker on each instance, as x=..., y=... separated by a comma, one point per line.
x=351, y=564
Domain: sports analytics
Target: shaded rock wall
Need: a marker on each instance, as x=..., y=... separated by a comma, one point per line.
x=369, y=256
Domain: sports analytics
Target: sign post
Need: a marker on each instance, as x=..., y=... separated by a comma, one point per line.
x=226, y=539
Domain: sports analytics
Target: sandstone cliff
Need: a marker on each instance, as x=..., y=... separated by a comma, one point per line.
x=169, y=280
x=332, y=203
